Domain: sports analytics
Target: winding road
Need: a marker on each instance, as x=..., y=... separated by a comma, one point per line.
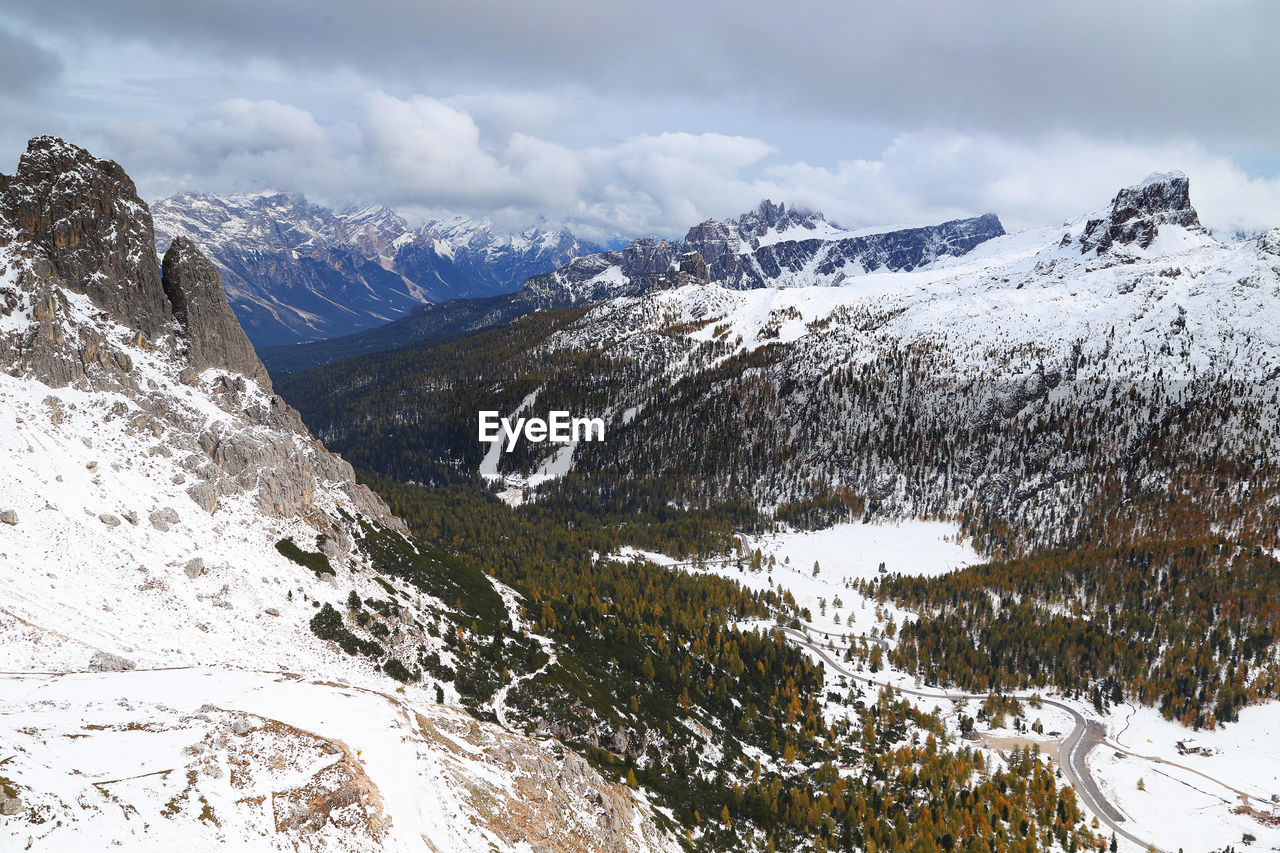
x=1073, y=753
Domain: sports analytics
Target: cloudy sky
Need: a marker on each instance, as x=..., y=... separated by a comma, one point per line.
x=648, y=117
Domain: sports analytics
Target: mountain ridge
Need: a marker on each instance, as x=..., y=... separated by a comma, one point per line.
x=297, y=271
x=767, y=246
x=173, y=541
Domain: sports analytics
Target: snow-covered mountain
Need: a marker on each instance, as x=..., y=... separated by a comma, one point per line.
x=295, y=271
x=183, y=566
x=768, y=247
x=961, y=385
x=1132, y=323
x=500, y=261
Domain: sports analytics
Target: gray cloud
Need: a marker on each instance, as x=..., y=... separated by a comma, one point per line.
x=425, y=155
x=25, y=67
x=1192, y=67
x=645, y=118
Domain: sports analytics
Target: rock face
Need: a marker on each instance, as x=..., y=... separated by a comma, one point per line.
x=1137, y=213
x=211, y=332
x=80, y=219
x=692, y=264
x=85, y=302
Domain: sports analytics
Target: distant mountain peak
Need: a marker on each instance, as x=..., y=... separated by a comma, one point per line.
x=1138, y=211
x=297, y=271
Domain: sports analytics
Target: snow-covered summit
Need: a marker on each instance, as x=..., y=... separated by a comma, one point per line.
x=1138, y=212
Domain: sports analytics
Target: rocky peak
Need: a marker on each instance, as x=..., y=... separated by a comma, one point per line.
x=692, y=264
x=84, y=303
x=1137, y=212
x=756, y=222
x=79, y=218
x=713, y=240
x=210, y=332
x=648, y=255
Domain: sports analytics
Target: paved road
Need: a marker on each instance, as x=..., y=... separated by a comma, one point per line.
x=1073, y=753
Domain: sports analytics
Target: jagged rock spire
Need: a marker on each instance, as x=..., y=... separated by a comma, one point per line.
x=79, y=221
x=212, y=335
x=81, y=216
x=1137, y=212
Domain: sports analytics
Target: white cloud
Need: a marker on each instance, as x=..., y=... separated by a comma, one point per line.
x=423, y=154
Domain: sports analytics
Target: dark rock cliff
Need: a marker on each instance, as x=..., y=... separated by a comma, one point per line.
x=83, y=303
x=211, y=333
x=1137, y=213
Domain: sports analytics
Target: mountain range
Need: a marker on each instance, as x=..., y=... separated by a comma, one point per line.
x=980, y=358
x=770, y=246
x=296, y=271
x=908, y=539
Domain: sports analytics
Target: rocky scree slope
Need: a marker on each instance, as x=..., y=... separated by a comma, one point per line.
x=296, y=271
x=182, y=562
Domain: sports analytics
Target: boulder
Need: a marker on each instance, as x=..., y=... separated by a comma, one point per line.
x=161, y=519
x=107, y=662
x=8, y=516
x=204, y=495
x=194, y=568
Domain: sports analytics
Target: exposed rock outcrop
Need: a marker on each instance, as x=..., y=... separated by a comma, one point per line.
x=1137, y=212
x=211, y=333
x=81, y=222
x=78, y=259
x=107, y=662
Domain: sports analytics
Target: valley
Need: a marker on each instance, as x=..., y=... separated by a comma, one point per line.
x=903, y=548
x=654, y=427
x=1100, y=754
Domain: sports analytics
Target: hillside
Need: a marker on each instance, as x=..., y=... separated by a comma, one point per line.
x=184, y=565
x=1094, y=405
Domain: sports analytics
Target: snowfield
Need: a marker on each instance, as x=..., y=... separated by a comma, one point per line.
x=212, y=759
x=1234, y=766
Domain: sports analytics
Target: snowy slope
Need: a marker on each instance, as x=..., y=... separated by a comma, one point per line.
x=207, y=759
x=164, y=683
